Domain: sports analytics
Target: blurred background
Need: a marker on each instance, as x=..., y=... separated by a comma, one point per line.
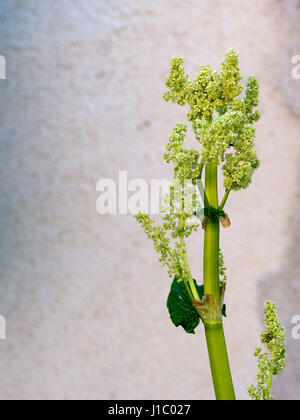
x=83, y=294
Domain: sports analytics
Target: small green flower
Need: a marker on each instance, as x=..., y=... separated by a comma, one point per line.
x=222, y=121
x=186, y=162
x=272, y=361
x=222, y=269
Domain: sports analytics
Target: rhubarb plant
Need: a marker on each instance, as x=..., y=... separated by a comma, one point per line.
x=222, y=119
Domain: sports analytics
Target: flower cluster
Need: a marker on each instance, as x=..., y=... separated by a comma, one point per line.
x=183, y=200
x=209, y=91
x=222, y=270
x=272, y=361
x=177, y=82
x=186, y=162
x=223, y=125
x=169, y=256
x=222, y=121
x=178, y=222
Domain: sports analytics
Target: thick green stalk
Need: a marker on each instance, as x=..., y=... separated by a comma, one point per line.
x=213, y=328
x=211, y=236
x=218, y=359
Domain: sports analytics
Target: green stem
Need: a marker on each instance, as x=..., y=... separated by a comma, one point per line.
x=216, y=344
x=201, y=168
x=223, y=202
x=179, y=267
x=188, y=289
x=211, y=237
x=267, y=396
x=188, y=270
x=219, y=364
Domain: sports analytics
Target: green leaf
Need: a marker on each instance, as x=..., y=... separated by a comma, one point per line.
x=181, y=310
x=180, y=306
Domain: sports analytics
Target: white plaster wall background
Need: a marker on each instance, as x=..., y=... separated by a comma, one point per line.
x=83, y=295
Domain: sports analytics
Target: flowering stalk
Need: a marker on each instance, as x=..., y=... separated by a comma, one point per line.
x=222, y=122
x=272, y=361
x=215, y=339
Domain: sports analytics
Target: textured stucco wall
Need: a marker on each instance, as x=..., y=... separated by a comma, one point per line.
x=83, y=294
